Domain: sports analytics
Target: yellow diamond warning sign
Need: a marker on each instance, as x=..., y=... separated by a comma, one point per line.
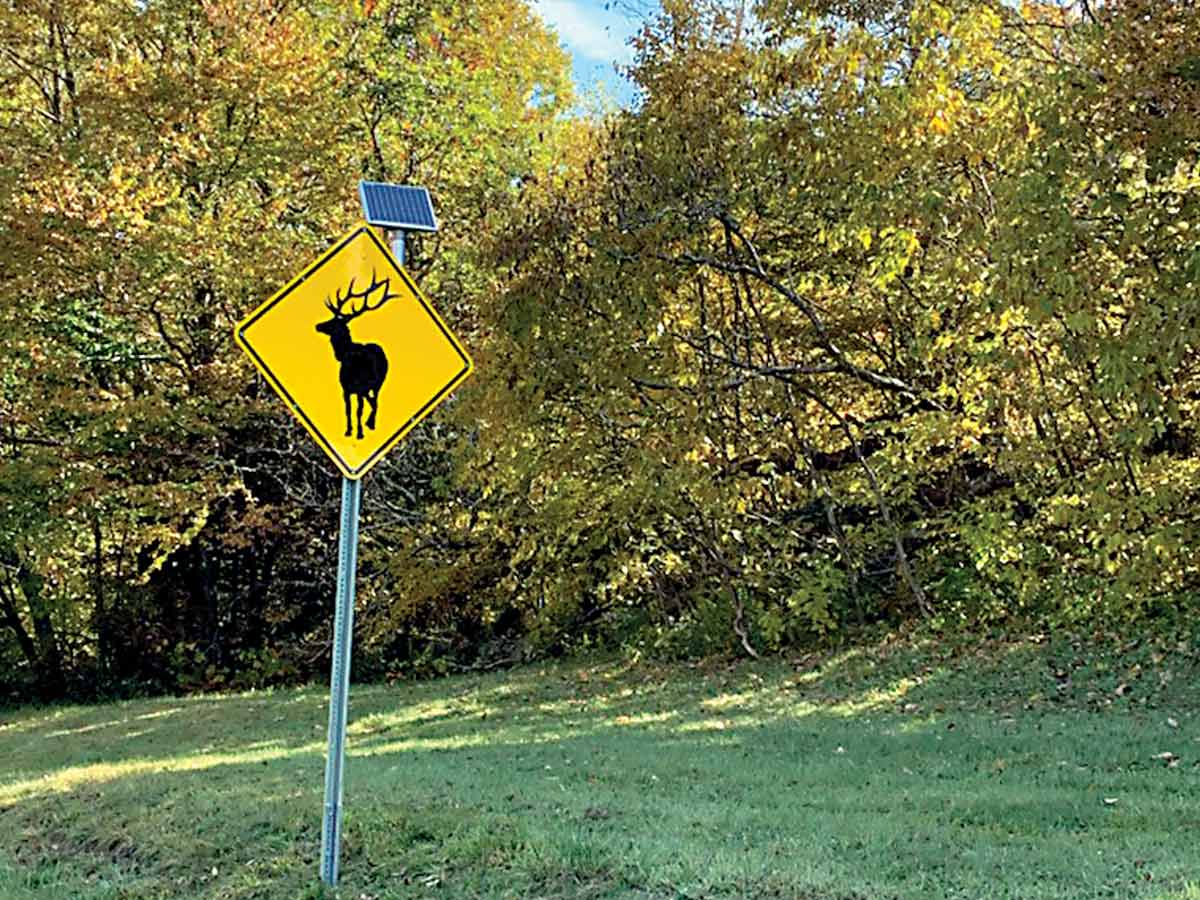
x=355, y=350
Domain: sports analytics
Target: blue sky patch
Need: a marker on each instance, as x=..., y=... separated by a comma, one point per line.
x=596, y=35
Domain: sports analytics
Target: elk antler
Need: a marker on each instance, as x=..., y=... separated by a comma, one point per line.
x=363, y=295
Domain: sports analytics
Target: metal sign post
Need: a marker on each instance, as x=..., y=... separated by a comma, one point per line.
x=339, y=679
x=398, y=246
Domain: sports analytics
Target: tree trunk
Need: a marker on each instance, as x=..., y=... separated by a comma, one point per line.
x=51, y=680
x=99, y=613
x=12, y=619
x=49, y=663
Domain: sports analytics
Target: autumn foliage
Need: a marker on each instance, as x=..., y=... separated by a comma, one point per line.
x=866, y=310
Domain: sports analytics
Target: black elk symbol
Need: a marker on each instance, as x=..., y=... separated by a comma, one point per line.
x=363, y=366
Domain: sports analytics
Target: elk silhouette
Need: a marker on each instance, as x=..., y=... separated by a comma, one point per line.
x=363, y=366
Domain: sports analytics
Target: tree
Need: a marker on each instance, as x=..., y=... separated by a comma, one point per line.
x=166, y=164
x=865, y=303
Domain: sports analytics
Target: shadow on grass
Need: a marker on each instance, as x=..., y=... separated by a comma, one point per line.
x=896, y=772
x=549, y=702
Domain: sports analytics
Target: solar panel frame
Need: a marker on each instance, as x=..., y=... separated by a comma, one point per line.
x=402, y=207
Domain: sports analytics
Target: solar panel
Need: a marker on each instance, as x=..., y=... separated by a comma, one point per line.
x=397, y=206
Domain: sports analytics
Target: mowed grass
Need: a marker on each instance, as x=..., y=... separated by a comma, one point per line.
x=905, y=769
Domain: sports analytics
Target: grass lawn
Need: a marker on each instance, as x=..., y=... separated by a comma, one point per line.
x=905, y=769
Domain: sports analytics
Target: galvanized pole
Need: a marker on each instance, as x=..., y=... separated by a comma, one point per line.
x=398, y=246
x=339, y=681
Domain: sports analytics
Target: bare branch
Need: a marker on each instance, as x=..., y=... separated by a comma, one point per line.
x=758, y=271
